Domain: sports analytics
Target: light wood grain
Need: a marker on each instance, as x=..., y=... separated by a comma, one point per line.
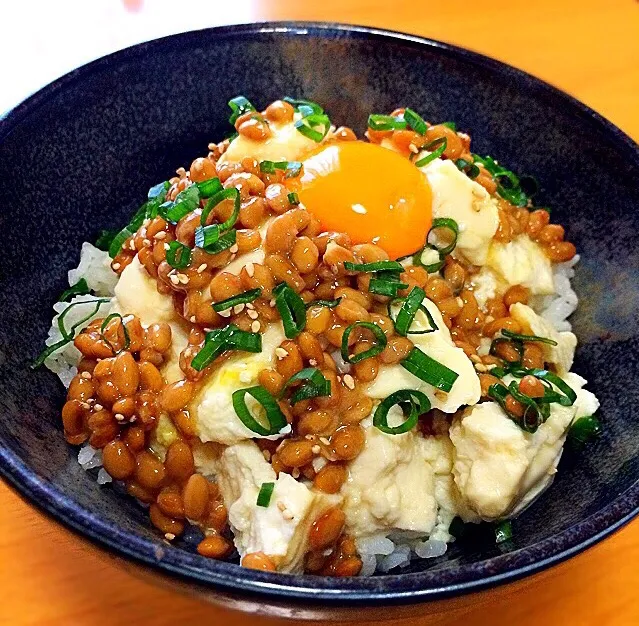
x=589, y=48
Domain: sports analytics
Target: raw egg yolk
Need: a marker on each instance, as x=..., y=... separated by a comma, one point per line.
x=371, y=193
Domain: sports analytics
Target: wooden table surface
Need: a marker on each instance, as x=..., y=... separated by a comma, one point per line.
x=590, y=48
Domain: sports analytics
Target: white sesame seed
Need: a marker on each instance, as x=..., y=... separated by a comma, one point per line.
x=252, y=313
x=169, y=536
x=480, y=367
x=280, y=353
x=316, y=449
x=146, y=242
x=193, y=319
x=325, y=441
x=181, y=172
x=250, y=305
x=245, y=377
x=86, y=375
x=349, y=381
x=146, y=221
x=250, y=269
x=272, y=302
x=266, y=454
x=281, y=506
x=134, y=418
x=238, y=308
x=312, y=362
x=287, y=515
x=475, y=358
x=460, y=302
x=119, y=417
x=295, y=473
x=255, y=327
x=85, y=405
x=225, y=313
x=234, y=248
x=183, y=278
x=174, y=279
x=441, y=395
x=98, y=407
x=167, y=246
x=201, y=268
x=132, y=244
x=116, y=266
x=489, y=319
x=413, y=148
x=160, y=235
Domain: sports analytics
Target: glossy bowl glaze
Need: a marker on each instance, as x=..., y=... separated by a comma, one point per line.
x=79, y=155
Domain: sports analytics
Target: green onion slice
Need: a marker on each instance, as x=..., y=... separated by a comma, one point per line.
x=79, y=289
x=225, y=194
x=569, y=396
x=429, y=267
x=406, y=314
x=226, y=241
x=378, y=266
x=450, y=125
x=429, y=370
x=292, y=168
x=585, y=429
x=265, y=494
x=273, y=414
x=413, y=404
x=438, y=147
x=178, y=256
x=503, y=531
x=291, y=309
x=315, y=385
x=386, y=286
x=386, y=122
x=518, y=337
x=509, y=185
x=239, y=105
x=450, y=225
x=210, y=187
x=305, y=107
x=185, y=202
x=222, y=339
x=415, y=121
x=103, y=327
x=309, y=125
x=105, y=239
x=68, y=335
x=330, y=304
x=468, y=167
x=535, y=414
x=380, y=338
x=293, y=198
x=242, y=298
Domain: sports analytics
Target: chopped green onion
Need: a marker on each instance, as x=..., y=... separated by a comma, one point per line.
x=378, y=347
x=226, y=241
x=225, y=194
x=438, y=147
x=503, y=531
x=585, y=429
x=450, y=225
x=265, y=494
x=509, y=186
x=308, y=126
x=103, y=327
x=210, y=187
x=429, y=370
x=242, y=298
x=569, y=397
x=68, y=335
x=239, y=105
x=227, y=338
x=378, y=266
x=292, y=168
x=273, y=414
x=387, y=286
x=305, y=107
x=293, y=198
x=518, y=337
x=105, y=239
x=79, y=289
x=291, y=309
x=330, y=304
x=406, y=314
x=413, y=404
x=315, y=385
x=450, y=125
x=516, y=344
x=415, y=121
x=178, y=256
x=386, y=122
x=468, y=167
x=429, y=267
x=206, y=235
x=118, y=241
x=534, y=413
x=185, y=202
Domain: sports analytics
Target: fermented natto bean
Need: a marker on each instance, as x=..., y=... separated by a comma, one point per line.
x=310, y=347
x=72, y=418
x=124, y=406
x=277, y=198
x=304, y=255
x=350, y=311
x=170, y=503
x=225, y=285
x=532, y=387
x=126, y=376
x=283, y=230
x=150, y=471
x=150, y=377
x=254, y=129
x=158, y=336
x=196, y=497
x=135, y=438
x=164, y=523
x=179, y=461
x=292, y=362
x=202, y=169
x=118, y=460
x=330, y=478
x=80, y=389
x=318, y=319
x=326, y=530
x=279, y=111
x=258, y=560
x=271, y=380
x=176, y=395
x=348, y=441
x=284, y=271
x=317, y=423
x=516, y=293
x=214, y=547
x=296, y=453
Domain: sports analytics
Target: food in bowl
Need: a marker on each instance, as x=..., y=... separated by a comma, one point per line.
x=318, y=352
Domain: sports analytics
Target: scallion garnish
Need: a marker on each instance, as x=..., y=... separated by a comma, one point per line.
x=293, y=198
x=178, y=256
x=450, y=125
x=429, y=370
x=291, y=309
x=330, y=304
x=310, y=124
x=378, y=266
x=104, y=326
x=185, y=202
x=468, y=167
x=239, y=105
x=68, y=335
x=226, y=241
x=210, y=238
x=105, y=239
x=210, y=187
x=222, y=339
x=265, y=494
x=305, y=107
x=412, y=403
x=415, y=121
x=503, y=531
x=438, y=147
x=378, y=346
x=273, y=414
x=386, y=285
x=519, y=337
x=509, y=185
x=386, y=122
x=79, y=289
x=585, y=429
x=292, y=168
x=445, y=223
x=314, y=385
x=406, y=314
x=225, y=194
x=242, y=298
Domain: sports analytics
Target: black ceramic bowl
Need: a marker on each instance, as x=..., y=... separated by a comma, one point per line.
x=80, y=154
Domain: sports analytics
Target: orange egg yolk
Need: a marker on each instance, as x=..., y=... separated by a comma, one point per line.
x=371, y=193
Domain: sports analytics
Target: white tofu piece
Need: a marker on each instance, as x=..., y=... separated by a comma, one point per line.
x=522, y=262
x=563, y=353
x=439, y=346
x=212, y=407
x=285, y=144
x=468, y=203
x=486, y=285
x=390, y=486
x=281, y=529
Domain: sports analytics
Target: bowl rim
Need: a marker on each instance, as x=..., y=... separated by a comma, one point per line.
x=230, y=578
